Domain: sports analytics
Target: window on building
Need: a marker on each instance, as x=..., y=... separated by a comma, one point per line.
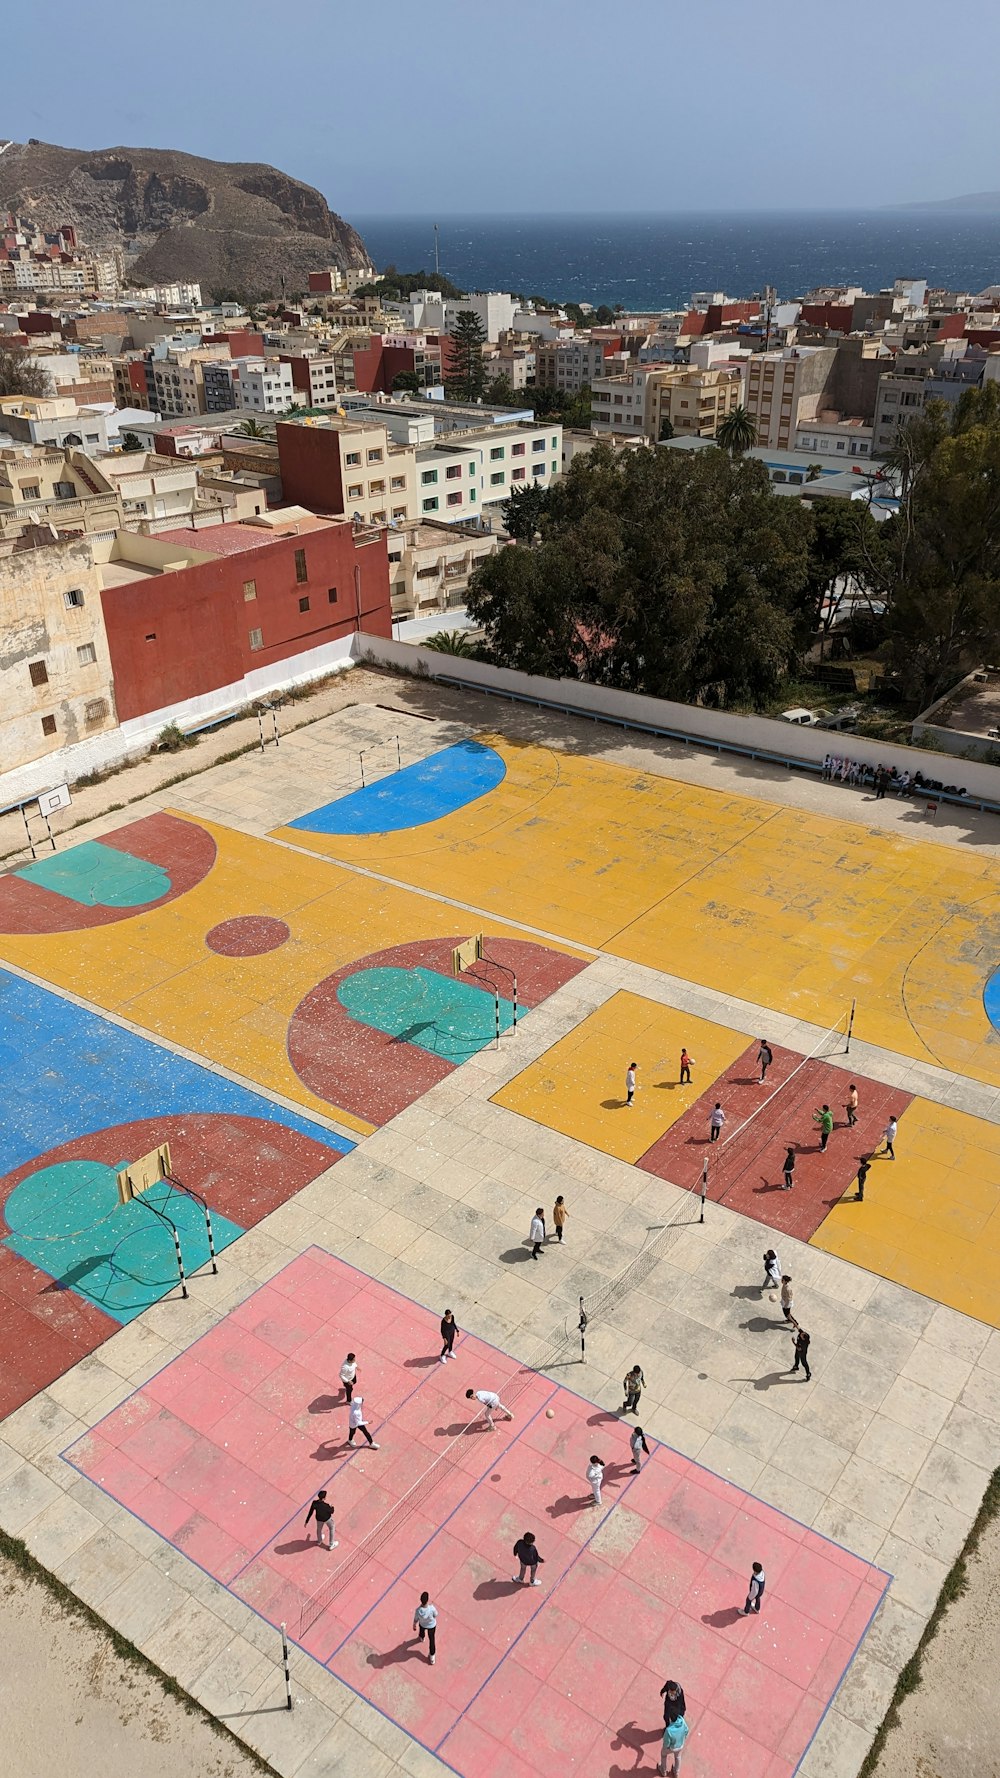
x=453, y=470
x=496, y=481
x=256, y=638
x=538, y=444
x=496, y=453
x=95, y=711
x=73, y=600
x=454, y=499
x=431, y=505
x=30, y=491
x=355, y=491
x=555, y=470
x=86, y=654
x=331, y=595
x=150, y=635
x=353, y=459
x=378, y=518
x=397, y=483
x=249, y=590
x=376, y=487
x=517, y=450
x=304, y=604
x=538, y=469
x=375, y=456
x=39, y=673
x=399, y=512
x=395, y=555
x=518, y=475
x=301, y=571
x=427, y=476
x=48, y=725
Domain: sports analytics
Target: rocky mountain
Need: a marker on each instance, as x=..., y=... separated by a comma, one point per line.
x=236, y=226
x=986, y=202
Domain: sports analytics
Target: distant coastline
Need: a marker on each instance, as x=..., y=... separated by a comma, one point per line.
x=657, y=261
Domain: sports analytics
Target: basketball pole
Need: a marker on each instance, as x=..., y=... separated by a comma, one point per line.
x=850, y=1026
x=284, y=1661
x=583, y=1333
x=704, y=1187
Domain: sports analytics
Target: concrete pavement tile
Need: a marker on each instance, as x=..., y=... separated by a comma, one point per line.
x=971, y=1436
x=58, y=1531
x=871, y=1491
x=955, y=1480
x=142, y=1602
x=188, y=1641
x=913, y=1406
x=849, y=1529
x=917, y=1576
x=23, y=1495
x=738, y=1464
x=896, y=1449
x=945, y=1372
x=931, y=1525
x=31, y=1428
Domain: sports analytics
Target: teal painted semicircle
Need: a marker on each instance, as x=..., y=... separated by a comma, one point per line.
x=432, y=788
x=991, y=999
x=99, y=876
x=442, y=1014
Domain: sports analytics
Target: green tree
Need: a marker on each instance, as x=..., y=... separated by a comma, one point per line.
x=457, y=642
x=522, y=511
x=737, y=433
x=502, y=393
x=408, y=381
x=678, y=575
x=468, y=338
x=666, y=429
x=19, y=374
x=130, y=442
x=251, y=429
x=841, y=534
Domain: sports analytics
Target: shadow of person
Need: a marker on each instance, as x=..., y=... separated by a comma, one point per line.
x=296, y=1546
x=614, y=1104
x=750, y=1290
x=514, y=1255
x=324, y=1404
x=497, y=1589
x=603, y=1417
x=391, y=1657
x=760, y=1324
x=568, y=1503
x=420, y=1364
x=722, y=1620
x=631, y=1738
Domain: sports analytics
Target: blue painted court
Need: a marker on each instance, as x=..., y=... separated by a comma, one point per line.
x=443, y=1015
x=427, y=791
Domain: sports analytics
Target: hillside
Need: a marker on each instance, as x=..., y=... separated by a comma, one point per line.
x=986, y=202
x=237, y=226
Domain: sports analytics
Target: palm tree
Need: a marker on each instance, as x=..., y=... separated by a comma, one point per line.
x=737, y=432
x=451, y=642
x=250, y=429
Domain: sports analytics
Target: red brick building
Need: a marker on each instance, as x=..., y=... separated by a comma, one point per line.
x=244, y=600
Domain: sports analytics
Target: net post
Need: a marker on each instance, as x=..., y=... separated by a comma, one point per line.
x=274, y=722
x=850, y=1026
x=514, y=1001
x=361, y=760
x=180, y=1261
x=704, y=1187
x=27, y=829
x=399, y=756
x=284, y=1661
x=260, y=725
x=496, y=1013
x=211, y=1242
x=583, y=1333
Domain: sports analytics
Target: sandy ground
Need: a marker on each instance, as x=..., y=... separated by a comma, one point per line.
x=948, y=1727
x=73, y=1706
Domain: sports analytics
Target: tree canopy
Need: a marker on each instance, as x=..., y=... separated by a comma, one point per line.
x=19, y=374
x=682, y=576
x=468, y=337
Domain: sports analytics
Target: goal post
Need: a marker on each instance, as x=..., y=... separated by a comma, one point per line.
x=139, y=1176
x=467, y=953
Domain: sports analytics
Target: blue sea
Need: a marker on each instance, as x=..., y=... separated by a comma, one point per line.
x=657, y=261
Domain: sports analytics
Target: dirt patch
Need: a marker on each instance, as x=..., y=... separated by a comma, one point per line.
x=101, y=1712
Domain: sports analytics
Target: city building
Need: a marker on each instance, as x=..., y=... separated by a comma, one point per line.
x=652, y=399
x=829, y=436
x=265, y=386
x=784, y=389
x=568, y=365
x=55, y=665
x=430, y=565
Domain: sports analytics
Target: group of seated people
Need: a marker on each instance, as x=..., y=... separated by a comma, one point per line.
x=885, y=778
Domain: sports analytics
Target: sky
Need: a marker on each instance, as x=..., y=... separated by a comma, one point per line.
x=475, y=107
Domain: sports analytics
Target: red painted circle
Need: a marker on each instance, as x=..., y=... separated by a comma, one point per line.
x=249, y=935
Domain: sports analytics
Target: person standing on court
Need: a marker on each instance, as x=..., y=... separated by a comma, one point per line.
x=632, y=1388
x=787, y=1300
x=526, y=1552
x=356, y=1422
x=559, y=1215
x=802, y=1352
x=755, y=1591
x=716, y=1121
x=490, y=1403
x=425, y=1619
x=322, y=1512
x=889, y=1136
x=638, y=1447
x=772, y=1271
x=349, y=1374
x=764, y=1058
x=674, y=1704
x=449, y=1328
x=824, y=1119
x=788, y=1168
x=863, y=1171
x=675, y=1733
x=595, y=1476
x=630, y=1083
x=536, y=1233
x=687, y=1062
x=851, y=1106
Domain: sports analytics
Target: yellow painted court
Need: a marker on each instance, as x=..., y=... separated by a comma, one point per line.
x=578, y=1085
x=794, y=911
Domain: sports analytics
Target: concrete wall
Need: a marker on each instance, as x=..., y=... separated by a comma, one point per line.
x=38, y=628
x=759, y=736
x=102, y=752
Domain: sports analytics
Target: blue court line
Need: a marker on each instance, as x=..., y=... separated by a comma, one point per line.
x=434, y=787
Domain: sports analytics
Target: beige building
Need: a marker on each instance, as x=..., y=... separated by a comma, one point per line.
x=430, y=565
x=39, y=486
x=636, y=404
x=786, y=389
x=55, y=668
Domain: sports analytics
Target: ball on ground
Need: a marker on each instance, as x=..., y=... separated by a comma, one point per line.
x=550, y=1413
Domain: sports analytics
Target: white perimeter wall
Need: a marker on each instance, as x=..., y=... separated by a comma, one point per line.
x=760, y=735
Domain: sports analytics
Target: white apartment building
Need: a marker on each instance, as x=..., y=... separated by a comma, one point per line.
x=428, y=311
x=832, y=437
x=265, y=386
x=322, y=370
x=784, y=391
x=637, y=404
x=168, y=296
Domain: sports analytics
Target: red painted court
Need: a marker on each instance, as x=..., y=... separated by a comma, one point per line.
x=745, y=1165
x=222, y=1451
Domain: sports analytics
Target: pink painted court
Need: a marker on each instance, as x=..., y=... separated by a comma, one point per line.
x=222, y=1451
